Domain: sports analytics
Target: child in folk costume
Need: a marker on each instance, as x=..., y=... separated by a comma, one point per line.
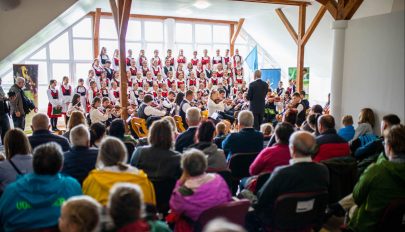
x=129, y=79
x=104, y=89
x=155, y=88
x=199, y=69
x=146, y=88
x=214, y=79
x=116, y=60
x=238, y=67
x=103, y=56
x=194, y=61
x=90, y=77
x=108, y=70
x=129, y=57
x=93, y=91
x=132, y=68
x=169, y=57
x=156, y=69
x=116, y=79
x=165, y=91
x=98, y=69
x=142, y=58
x=208, y=71
x=191, y=81
x=202, y=79
x=97, y=114
x=167, y=68
x=156, y=58
x=74, y=105
x=54, y=105
x=182, y=87
x=170, y=80
x=82, y=91
x=144, y=68
x=226, y=59
x=174, y=88
x=179, y=70
x=149, y=79
x=244, y=88
x=227, y=78
x=217, y=59
x=181, y=59
x=103, y=78
x=133, y=94
x=237, y=58
x=230, y=71
x=190, y=69
x=205, y=60
x=181, y=80
x=139, y=79
x=67, y=93
x=159, y=80
x=239, y=77
x=220, y=70
x=114, y=93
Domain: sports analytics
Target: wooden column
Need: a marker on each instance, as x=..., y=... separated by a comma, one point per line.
x=121, y=10
x=235, y=34
x=96, y=32
x=231, y=32
x=341, y=9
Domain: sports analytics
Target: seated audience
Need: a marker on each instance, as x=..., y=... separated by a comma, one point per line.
x=365, y=124
x=126, y=208
x=97, y=134
x=117, y=130
x=276, y=155
x=315, y=109
x=172, y=122
x=196, y=190
x=81, y=159
x=204, y=142
x=221, y=225
x=331, y=145
x=302, y=175
x=312, y=121
x=221, y=133
x=41, y=134
x=246, y=140
x=185, y=139
x=76, y=118
x=267, y=130
x=290, y=116
x=347, y=132
x=19, y=158
x=380, y=183
x=34, y=200
x=111, y=169
x=158, y=159
x=81, y=214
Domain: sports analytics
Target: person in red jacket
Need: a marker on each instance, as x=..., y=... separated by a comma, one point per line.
x=331, y=145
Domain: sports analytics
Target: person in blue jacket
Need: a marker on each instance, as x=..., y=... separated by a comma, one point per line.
x=34, y=200
x=347, y=132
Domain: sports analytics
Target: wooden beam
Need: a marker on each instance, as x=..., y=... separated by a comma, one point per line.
x=231, y=45
x=314, y=24
x=287, y=24
x=301, y=46
x=96, y=32
x=125, y=18
x=280, y=2
x=331, y=6
x=238, y=28
x=351, y=8
x=114, y=14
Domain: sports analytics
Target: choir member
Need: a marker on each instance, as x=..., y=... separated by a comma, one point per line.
x=54, y=105
x=67, y=92
x=103, y=56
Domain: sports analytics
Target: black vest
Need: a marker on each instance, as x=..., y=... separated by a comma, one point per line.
x=301, y=115
x=183, y=114
x=141, y=111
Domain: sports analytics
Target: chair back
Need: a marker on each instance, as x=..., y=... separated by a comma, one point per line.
x=393, y=218
x=228, y=178
x=49, y=229
x=261, y=180
x=234, y=211
x=130, y=148
x=239, y=164
x=299, y=211
x=138, y=125
x=179, y=124
x=342, y=177
x=163, y=192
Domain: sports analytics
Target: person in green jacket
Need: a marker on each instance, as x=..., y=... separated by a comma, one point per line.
x=381, y=183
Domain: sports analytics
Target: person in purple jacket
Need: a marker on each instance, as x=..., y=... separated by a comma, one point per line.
x=196, y=190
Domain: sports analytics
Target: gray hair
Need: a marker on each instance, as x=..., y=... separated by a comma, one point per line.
x=19, y=79
x=303, y=143
x=79, y=136
x=194, y=162
x=222, y=225
x=193, y=115
x=245, y=118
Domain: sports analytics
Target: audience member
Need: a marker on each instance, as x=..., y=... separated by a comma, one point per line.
x=196, y=190
x=347, y=132
x=97, y=134
x=111, y=169
x=276, y=155
x=19, y=159
x=41, y=134
x=331, y=145
x=246, y=140
x=302, y=175
x=34, y=200
x=81, y=159
x=172, y=122
x=126, y=208
x=185, y=139
x=158, y=159
x=81, y=214
x=267, y=130
x=75, y=119
x=204, y=142
x=365, y=124
x=221, y=133
x=117, y=130
x=221, y=225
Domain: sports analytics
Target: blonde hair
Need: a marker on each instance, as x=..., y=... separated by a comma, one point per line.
x=76, y=118
x=84, y=212
x=367, y=116
x=266, y=129
x=347, y=120
x=112, y=152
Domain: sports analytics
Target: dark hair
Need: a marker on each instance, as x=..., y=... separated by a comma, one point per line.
x=189, y=92
x=395, y=138
x=283, y=132
x=51, y=82
x=97, y=131
x=125, y=204
x=148, y=98
x=296, y=94
x=117, y=128
x=290, y=116
x=104, y=99
x=317, y=109
x=161, y=134
x=312, y=121
x=47, y=159
x=221, y=91
x=179, y=98
x=391, y=119
x=96, y=99
x=16, y=142
x=327, y=121
x=76, y=99
x=303, y=92
x=205, y=131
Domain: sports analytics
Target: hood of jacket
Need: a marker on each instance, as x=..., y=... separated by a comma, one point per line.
x=206, y=147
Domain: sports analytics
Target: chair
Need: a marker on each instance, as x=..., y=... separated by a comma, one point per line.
x=130, y=148
x=49, y=229
x=139, y=127
x=393, y=218
x=342, y=177
x=228, y=178
x=234, y=211
x=179, y=123
x=299, y=211
x=261, y=180
x=239, y=164
x=163, y=191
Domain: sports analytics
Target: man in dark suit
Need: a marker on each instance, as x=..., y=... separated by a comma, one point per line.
x=302, y=175
x=246, y=140
x=80, y=159
x=185, y=139
x=41, y=134
x=256, y=95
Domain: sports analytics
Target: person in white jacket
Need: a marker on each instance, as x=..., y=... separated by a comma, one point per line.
x=54, y=105
x=66, y=91
x=96, y=113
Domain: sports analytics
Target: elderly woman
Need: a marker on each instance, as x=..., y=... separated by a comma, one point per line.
x=158, y=159
x=111, y=169
x=196, y=190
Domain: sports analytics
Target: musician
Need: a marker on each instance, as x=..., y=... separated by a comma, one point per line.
x=97, y=114
x=93, y=91
x=82, y=91
x=148, y=112
x=74, y=105
x=169, y=104
x=184, y=105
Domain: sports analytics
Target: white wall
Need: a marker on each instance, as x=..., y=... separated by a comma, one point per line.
x=374, y=66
